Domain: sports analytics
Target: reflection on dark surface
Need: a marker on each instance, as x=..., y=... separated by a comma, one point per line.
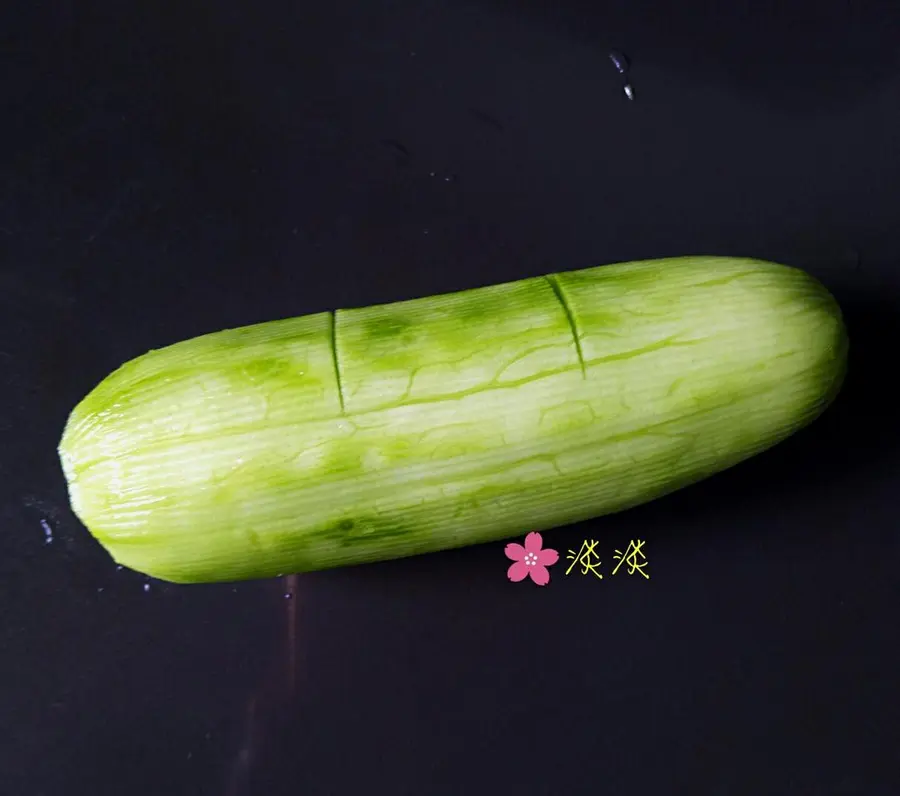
x=270, y=703
x=805, y=57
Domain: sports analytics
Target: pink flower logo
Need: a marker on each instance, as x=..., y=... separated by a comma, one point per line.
x=530, y=561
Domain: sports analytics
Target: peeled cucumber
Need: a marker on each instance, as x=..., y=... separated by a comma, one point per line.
x=367, y=434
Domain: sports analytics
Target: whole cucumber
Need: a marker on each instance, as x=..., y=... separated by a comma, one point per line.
x=366, y=434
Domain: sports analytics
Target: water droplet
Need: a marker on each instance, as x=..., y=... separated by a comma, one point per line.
x=119, y=567
x=424, y=231
x=619, y=61
x=288, y=595
x=48, y=532
x=629, y=91
x=146, y=587
x=99, y=589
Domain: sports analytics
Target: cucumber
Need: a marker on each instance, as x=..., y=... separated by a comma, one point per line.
x=359, y=435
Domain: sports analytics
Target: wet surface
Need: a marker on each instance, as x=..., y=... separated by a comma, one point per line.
x=166, y=174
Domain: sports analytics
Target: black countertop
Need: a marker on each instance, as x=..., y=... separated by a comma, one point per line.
x=174, y=169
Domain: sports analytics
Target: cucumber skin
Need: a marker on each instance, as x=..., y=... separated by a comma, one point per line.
x=456, y=419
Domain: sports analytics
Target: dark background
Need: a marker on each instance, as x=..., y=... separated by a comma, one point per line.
x=170, y=169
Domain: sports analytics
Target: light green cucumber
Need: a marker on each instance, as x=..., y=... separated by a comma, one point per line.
x=366, y=434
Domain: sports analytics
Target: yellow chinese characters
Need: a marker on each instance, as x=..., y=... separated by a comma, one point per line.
x=587, y=558
x=631, y=557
